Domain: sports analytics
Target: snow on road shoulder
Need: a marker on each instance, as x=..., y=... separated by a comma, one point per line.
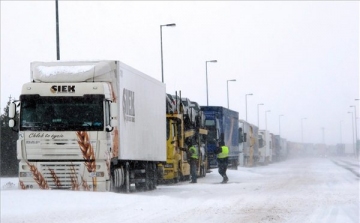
x=297, y=190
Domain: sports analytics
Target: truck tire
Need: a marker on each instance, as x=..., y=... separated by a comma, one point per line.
x=117, y=179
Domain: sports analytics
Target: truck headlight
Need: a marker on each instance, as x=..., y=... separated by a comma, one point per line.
x=100, y=174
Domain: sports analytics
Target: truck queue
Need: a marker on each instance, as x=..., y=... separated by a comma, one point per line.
x=109, y=137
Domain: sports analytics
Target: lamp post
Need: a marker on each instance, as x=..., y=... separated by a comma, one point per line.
x=162, y=66
x=352, y=128
x=266, y=119
x=302, y=135
x=246, y=105
x=356, y=137
x=323, y=134
x=258, y=113
x=279, y=123
x=207, y=93
x=227, y=88
x=57, y=31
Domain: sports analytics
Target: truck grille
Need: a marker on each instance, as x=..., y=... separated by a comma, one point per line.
x=62, y=175
x=55, y=149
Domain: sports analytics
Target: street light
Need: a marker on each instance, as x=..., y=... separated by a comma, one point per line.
x=356, y=136
x=207, y=94
x=227, y=87
x=266, y=119
x=302, y=136
x=57, y=31
x=246, y=104
x=258, y=113
x=162, y=66
x=279, y=123
x=352, y=124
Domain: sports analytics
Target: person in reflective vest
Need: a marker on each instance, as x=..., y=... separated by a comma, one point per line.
x=222, y=160
x=193, y=161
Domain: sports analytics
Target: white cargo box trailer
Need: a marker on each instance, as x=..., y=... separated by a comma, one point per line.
x=142, y=116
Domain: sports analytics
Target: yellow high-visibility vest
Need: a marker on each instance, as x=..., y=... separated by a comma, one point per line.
x=193, y=151
x=224, y=152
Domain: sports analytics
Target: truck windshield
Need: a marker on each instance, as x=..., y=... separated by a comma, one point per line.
x=261, y=141
x=210, y=125
x=62, y=113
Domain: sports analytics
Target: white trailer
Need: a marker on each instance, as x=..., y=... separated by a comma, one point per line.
x=248, y=144
x=265, y=147
x=90, y=125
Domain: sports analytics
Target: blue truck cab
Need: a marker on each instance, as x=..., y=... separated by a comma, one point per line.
x=223, y=126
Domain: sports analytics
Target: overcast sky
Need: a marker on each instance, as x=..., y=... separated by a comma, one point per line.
x=299, y=58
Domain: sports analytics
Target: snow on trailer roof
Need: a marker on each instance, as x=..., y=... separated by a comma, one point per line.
x=72, y=71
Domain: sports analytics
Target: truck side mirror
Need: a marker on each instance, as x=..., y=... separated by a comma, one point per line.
x=12, y=110
x=241, y=136
x=113, y=122
x=11, y=114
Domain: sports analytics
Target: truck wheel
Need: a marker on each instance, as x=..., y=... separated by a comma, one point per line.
x=117, y=179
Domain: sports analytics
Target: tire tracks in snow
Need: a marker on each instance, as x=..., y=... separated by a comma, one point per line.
x=354, y=168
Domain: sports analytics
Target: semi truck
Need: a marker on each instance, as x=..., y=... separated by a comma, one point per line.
x=223, y=126
x=89, y=125
x=276, y=152
x=265, y=150
x=182, y=132
x=248, y=143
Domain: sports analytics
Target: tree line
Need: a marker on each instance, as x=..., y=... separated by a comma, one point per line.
x=9, y=164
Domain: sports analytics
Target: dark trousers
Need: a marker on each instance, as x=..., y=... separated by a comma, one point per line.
x=193, y=170
x=222, y=164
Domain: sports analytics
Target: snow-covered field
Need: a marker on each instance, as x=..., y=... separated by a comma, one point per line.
x=297, y=190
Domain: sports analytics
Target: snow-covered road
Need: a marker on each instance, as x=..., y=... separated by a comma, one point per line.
x=296, y=190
